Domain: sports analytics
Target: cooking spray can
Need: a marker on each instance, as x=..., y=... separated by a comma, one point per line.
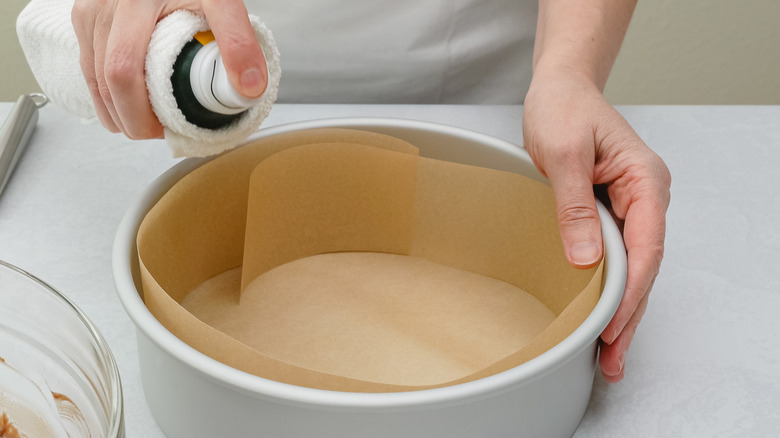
x=202, y=88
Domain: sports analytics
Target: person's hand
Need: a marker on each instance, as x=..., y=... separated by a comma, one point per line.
x=113, y=36
x=576, y=139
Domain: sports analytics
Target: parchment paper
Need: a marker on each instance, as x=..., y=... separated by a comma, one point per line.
x=362, y=266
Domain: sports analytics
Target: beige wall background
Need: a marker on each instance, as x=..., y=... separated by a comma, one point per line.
x=675, y=52
x=699, y=52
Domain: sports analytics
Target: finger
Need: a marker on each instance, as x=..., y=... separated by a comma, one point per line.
x=124, y=69
x=570, y=171
x=103, y=22
x=241, y=53
x=83, y=19
x=643, y=233
x=612, y=357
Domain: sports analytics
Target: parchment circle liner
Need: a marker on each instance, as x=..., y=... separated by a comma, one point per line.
x=297, y=195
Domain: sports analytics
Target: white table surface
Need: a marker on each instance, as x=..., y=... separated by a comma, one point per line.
x=704, y=363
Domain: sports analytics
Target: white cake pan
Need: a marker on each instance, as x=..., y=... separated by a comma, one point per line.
x=192, y=395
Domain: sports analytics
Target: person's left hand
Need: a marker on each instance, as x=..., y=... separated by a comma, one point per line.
x=577, y=140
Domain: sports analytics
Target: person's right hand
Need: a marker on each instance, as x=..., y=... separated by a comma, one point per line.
x=113, y=36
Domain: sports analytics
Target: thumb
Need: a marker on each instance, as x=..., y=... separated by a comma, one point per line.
x=240, y=51
x=571, y=177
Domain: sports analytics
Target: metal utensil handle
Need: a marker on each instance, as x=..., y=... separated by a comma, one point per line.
x=16, y=132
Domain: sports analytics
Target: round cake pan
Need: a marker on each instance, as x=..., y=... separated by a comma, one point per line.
x=192, y=395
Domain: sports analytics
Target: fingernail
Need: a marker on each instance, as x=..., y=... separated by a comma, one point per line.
x=252, y=82
x=584, y=253
x=609, y=338
x=614, y=336
x=621, y=361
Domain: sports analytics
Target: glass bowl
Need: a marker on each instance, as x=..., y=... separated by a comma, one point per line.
x=57, y=375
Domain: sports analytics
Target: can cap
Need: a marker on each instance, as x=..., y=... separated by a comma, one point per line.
x=211, y=85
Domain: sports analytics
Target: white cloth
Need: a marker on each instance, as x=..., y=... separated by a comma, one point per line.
x=49, y=43
x=50, y=46
x=402, y=51
x=184, y=138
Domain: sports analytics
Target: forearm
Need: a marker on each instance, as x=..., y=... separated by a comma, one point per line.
x=580, y=37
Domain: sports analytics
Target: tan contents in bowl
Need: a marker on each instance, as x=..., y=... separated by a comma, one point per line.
x=28, y=408
x=7, y=429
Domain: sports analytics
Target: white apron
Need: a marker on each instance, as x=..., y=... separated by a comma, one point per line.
x=402, y=51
